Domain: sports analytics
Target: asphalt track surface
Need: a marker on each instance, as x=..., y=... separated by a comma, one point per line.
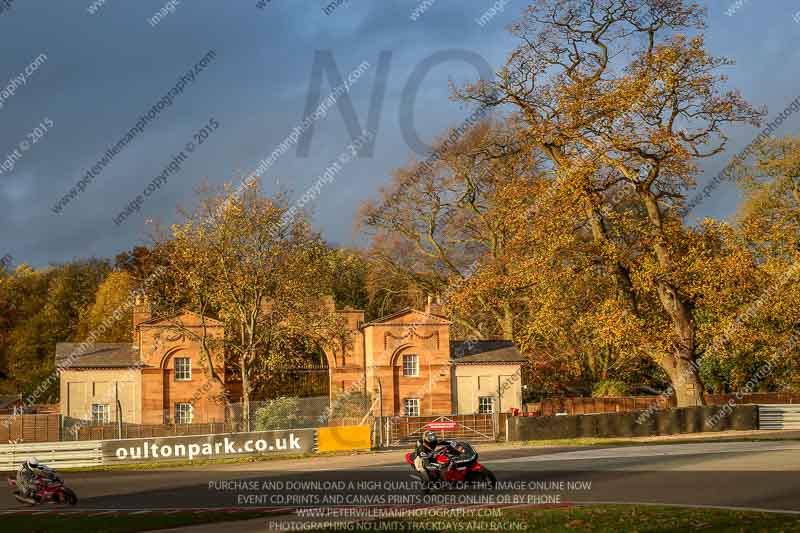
x=752, y=475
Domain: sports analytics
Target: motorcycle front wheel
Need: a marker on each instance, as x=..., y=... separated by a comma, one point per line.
x=489, y=478
x=483, y=479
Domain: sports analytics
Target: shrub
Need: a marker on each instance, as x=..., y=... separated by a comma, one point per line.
x=353, y=403
x=609, y=387
x=280, y=413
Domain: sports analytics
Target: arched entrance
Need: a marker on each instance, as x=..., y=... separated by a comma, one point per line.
x=304, y=378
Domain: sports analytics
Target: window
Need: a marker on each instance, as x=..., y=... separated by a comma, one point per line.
x=485, y=405
x=99, y=413
x=183, y=369
x=183, y=413
x=410, y=365
x=412, y=406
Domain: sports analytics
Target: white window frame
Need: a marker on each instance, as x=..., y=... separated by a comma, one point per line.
x=491, y=404
x=406, y=367
x=183, y=371
x=180, y=410
x=414, y=411
x=104, y=411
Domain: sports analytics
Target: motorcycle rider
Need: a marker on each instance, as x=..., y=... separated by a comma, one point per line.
x=424, y=452
x=27, y=474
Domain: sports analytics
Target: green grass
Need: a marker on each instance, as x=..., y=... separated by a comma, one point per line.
x=599, y=519
x=602, y=518
x=115, y=523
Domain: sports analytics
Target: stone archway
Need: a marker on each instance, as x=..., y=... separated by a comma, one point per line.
x=304, y=379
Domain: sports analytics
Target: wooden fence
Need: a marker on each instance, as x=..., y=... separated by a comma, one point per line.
x=146, y=431
x=30, y=428
x=755, y=397
x=48, y=428
x=580, y=406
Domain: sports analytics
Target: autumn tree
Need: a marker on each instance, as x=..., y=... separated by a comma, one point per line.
x=431, y=226
x=38, y=309
x=111, y=295
x=757, y=301
x=770, y=215
x=568, y=317
x=623, y=99
x=256, y=264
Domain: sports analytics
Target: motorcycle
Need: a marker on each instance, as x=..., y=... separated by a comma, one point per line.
x=476, y=475
x=49, y=489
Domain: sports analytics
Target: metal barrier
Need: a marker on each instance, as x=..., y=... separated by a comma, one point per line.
x=54, y=454
x=785, y=416
x=85, y=453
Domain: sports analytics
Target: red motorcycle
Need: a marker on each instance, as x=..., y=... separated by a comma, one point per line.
x=49, y=489
x=473, y=476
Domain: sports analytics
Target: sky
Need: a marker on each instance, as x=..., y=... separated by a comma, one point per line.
x=93, y=68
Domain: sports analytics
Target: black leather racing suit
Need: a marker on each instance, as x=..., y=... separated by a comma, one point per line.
x=422, y=456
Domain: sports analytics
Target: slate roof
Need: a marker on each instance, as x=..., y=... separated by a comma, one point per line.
x=100, y=355
x=495, y=351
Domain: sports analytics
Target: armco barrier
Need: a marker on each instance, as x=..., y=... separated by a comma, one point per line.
x=779, y=416
x=54, y=454
x=335, y=439
x=74, y=454
x=632, y=424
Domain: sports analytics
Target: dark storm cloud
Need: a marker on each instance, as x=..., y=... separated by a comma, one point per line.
x=103, y=70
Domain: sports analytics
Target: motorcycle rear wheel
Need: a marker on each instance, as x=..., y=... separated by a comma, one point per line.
x=70, y=497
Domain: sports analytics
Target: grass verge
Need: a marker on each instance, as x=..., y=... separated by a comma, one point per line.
x=601, y=519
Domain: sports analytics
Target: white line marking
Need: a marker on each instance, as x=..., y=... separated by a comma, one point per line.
x=689, y=506
x=627, y=452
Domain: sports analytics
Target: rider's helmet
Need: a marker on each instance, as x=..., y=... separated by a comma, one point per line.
x=32, y=463
x=429, y=440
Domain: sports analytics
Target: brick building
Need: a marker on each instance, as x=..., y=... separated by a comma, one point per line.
x=407, y=357
x=409, y=361
x=160, y=377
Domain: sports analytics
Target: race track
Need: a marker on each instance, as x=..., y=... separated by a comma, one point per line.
x=753, y=475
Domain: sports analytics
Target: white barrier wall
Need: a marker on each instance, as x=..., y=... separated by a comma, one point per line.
x=54, y=454
x=778, y=416
x=76, y=454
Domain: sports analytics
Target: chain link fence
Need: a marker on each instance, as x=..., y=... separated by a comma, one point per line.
x=295, y=413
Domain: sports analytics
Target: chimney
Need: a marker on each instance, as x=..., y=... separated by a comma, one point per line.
x=141, y=312
x=433, y=308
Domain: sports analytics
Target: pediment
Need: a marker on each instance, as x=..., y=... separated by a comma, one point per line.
x=409, y=316
x=185, y=318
